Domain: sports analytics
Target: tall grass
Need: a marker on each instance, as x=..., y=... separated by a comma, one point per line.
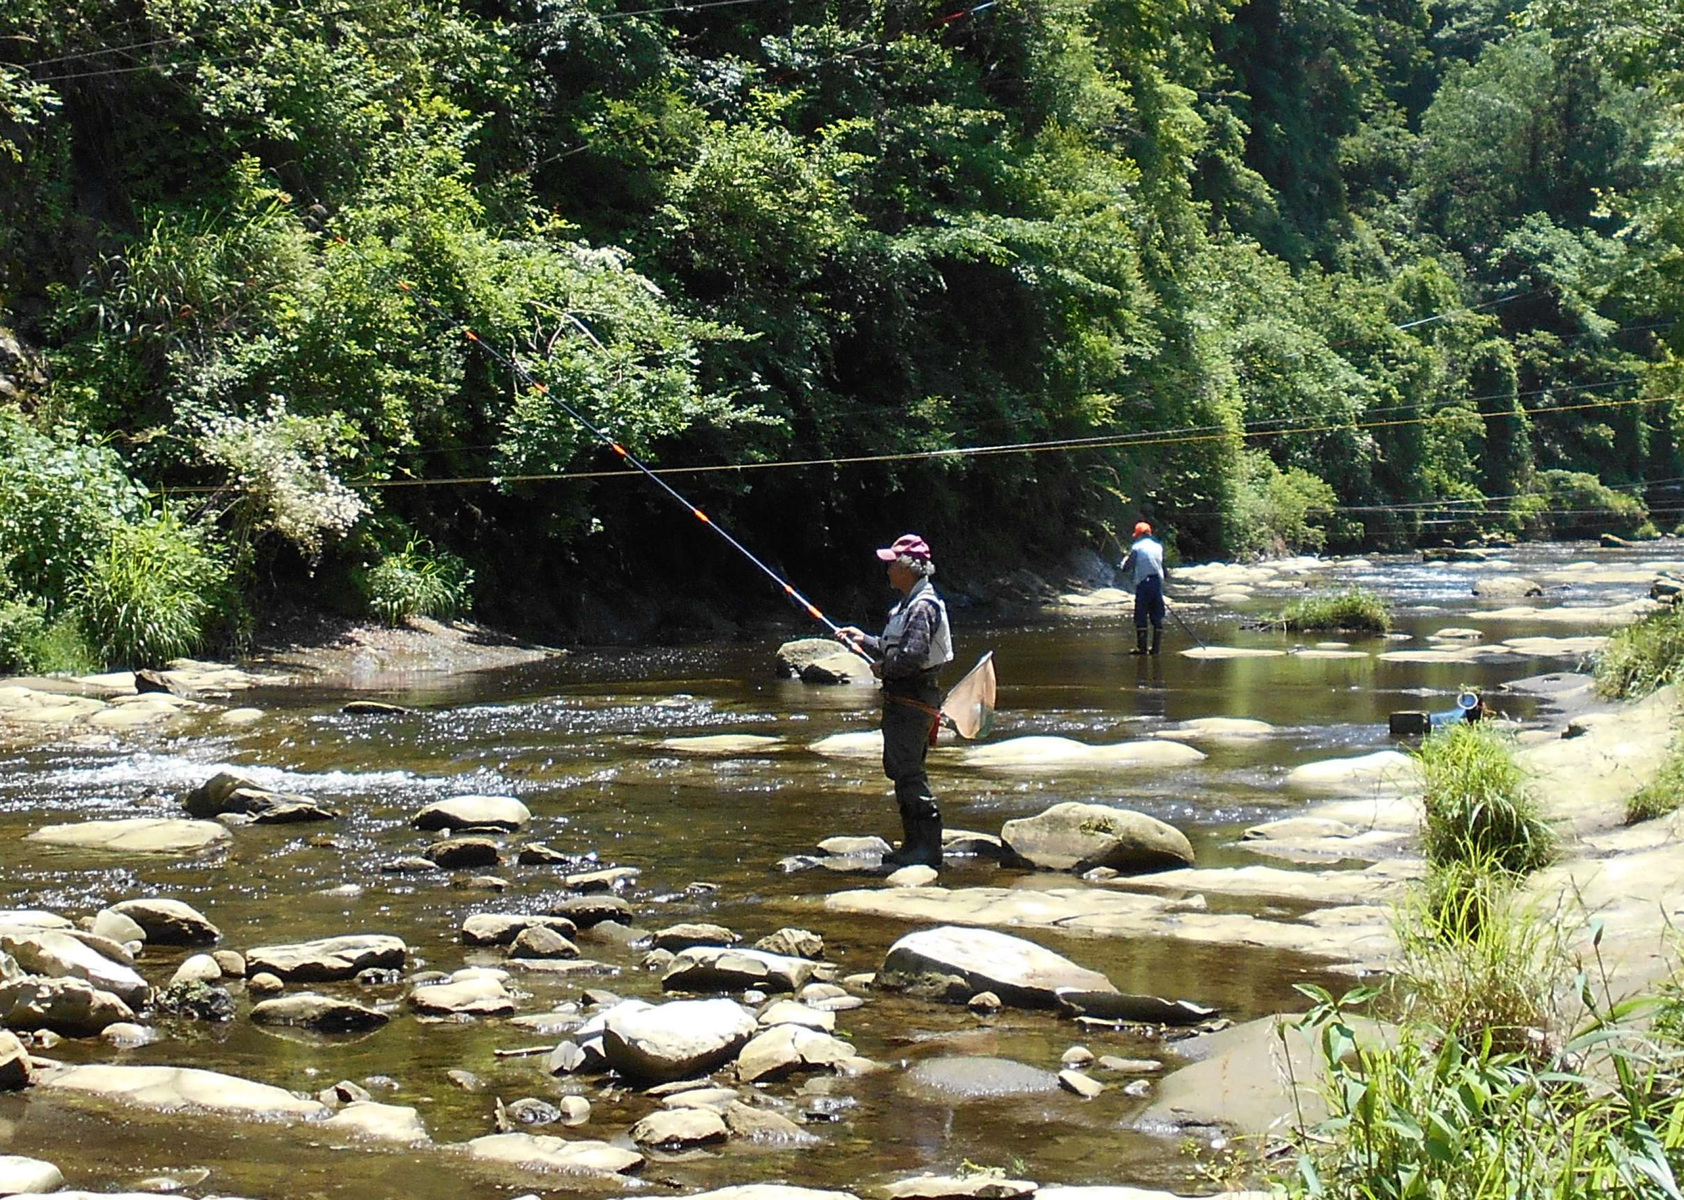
x=1643, y=656
x=1662, y=794
x=1354, y=609
x=155, y=593
x=1478, y=809
x=418, y=582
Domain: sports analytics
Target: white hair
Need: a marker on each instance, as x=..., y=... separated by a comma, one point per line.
x=918, y=566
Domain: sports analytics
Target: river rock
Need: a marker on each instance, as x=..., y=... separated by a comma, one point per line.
x=770, y=1191
x=540, y=1152
x=977, y=1078
x=463, y=852
x=680, y=1127
x=537, y=941
x=575, y=1110
x=588, y=911
x=1384, y=770
x=328, y=958
x=68, y=1006
x=290, y=812
x=790, y=942
x=850, y=745
x=171, y=1088
x=718, y=969
x=763, y=1126
x=1079, y=837
x=15, y=1069
x=378, y=1122
x=951, y=1187
x=312, y=1011
x=683, y=936
x=792, y=656
x=970, y=843
x=109, y=923
x=915, y=875
x=170, y=922
x=1219, y=653
x=676, y=1040
x=500, y=929
x=720, y=743
x=1506, y=587
x=1041, y=751
x=1299, y=829
x=785, y=1049
x=196, y=968
x=471, y=812
x=264, y=984
x=714, y=1098
x=226, y=793
x=956, y=963
x=135, y=835
x=1221, y=729
x=793, y=1012
x=855, y=846
x=58, y=955
x=1082, y=1085
x=21, y=1176
x=469, y=993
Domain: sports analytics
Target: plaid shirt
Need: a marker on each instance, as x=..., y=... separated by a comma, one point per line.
x=907, y=658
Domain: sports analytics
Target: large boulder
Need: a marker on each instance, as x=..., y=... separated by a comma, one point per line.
x=15, y=1069
x=676, y=1040
x=327, y=958
x=1381, y=771
x=474, y=812
x=135, y=835
x=795, y=657
x=169, y=922
x=955, y=963
x=21, y=1176
x=500, y=929
x=786, y=1049
x=226, y=792
x=1079, y=837
x=312, y=1011
x=59, y=956
x=473, y=992
x=1505, y=587
x=732, y=969
x=171, y=1088
x=68, y=1006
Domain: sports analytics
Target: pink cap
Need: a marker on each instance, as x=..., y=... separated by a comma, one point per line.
x=909, y=544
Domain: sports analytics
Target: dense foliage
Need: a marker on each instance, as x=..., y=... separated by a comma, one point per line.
x=1280, y=276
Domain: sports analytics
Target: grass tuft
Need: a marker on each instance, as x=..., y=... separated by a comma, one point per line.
x=1662, y=794
x=1478, y=809
x=1353, y=609
x=418, y=582
x=1643, y=656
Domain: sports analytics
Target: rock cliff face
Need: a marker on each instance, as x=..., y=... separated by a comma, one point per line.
x=22, y=372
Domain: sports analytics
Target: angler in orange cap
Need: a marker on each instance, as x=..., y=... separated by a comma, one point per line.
x=1144, y=575
x=916, y=643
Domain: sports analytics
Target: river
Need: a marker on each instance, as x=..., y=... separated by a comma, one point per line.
x=576, y=738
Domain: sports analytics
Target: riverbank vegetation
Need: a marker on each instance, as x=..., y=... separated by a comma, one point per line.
x=1640, y=657
x=1351, y=610
x=1278, y=278
x=1664, y=793
x=1477, y=810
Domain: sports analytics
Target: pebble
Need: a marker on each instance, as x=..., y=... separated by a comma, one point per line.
x=1138, y=1087
x=575, y=1110
x=466, y=1080
x=1077, y=1056
x=1129, y=1066
x=264, y=984
x=984, y=1002
x=1082, y=1085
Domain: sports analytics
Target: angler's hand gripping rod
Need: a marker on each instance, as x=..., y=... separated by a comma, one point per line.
x=513, y=365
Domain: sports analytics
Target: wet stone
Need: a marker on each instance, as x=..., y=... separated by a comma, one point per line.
x=463, y=852
x=680, y=1127
x=537, y=941
x=312, y=1011
x=531, y=1111
x=588, y=911
x=409, y=864
x=500, y=929
x=477, y=812
x=683, y=936
x=1082, y=1085
x=793, y=943
x=20, y=1176
x=708, y=969
x=967, y=1187
x=328, y=958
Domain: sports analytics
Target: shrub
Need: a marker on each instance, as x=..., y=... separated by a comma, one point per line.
x=1662, y=794
x=1578, y=504
x=1281, y=512
x=1478, y=810
x=1642, y=656
x=158, y=592
x=1354, y=608
x=418, y=582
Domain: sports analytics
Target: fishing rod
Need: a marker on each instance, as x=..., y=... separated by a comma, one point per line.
x=512, y=364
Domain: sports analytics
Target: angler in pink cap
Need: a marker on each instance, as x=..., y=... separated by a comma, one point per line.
x=915, y=644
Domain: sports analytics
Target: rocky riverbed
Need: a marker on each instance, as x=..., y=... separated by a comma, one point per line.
x=607, y=922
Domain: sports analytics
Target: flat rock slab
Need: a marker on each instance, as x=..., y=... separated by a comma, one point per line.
x=1384, y=770
x=69, y=1006
x=680, y=1127
x=977, y=1077
x=474, y=812
x=680, y=1040
x=732, y=969
x=327, y=958
x=1598, y=616
x=955, y=1187
x=850, y=745
x=1101, y=912
x=723, y=744
x=1227, y=652
x=770, y=1191
x=1379, y=884
x=378, y=1122
x=1219, y=729
x=1041, y=751
x=1020, y=972
x=135, y=835
x=171, y=1088
x=59, y=955
x=469, y=993
x=1108, y=1192
x=540, y=1152
x=312, y=1011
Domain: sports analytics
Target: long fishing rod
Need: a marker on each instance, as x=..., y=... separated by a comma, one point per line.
x=513, y=365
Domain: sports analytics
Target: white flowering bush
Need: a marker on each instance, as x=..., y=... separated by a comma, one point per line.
x=282, y=465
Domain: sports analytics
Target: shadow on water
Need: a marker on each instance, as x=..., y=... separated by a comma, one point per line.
x=578, y=739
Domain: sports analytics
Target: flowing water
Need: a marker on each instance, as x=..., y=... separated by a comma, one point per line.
x=577, y=739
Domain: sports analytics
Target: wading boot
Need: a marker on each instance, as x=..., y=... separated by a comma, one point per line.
x=1157, y=638
x=908, y=852
x=925, y=847
x=1139, y=641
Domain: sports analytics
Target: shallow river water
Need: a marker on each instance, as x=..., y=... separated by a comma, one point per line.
x=576, y=739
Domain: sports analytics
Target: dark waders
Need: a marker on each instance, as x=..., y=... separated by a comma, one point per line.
x=907, y=729
x=1149, y=607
